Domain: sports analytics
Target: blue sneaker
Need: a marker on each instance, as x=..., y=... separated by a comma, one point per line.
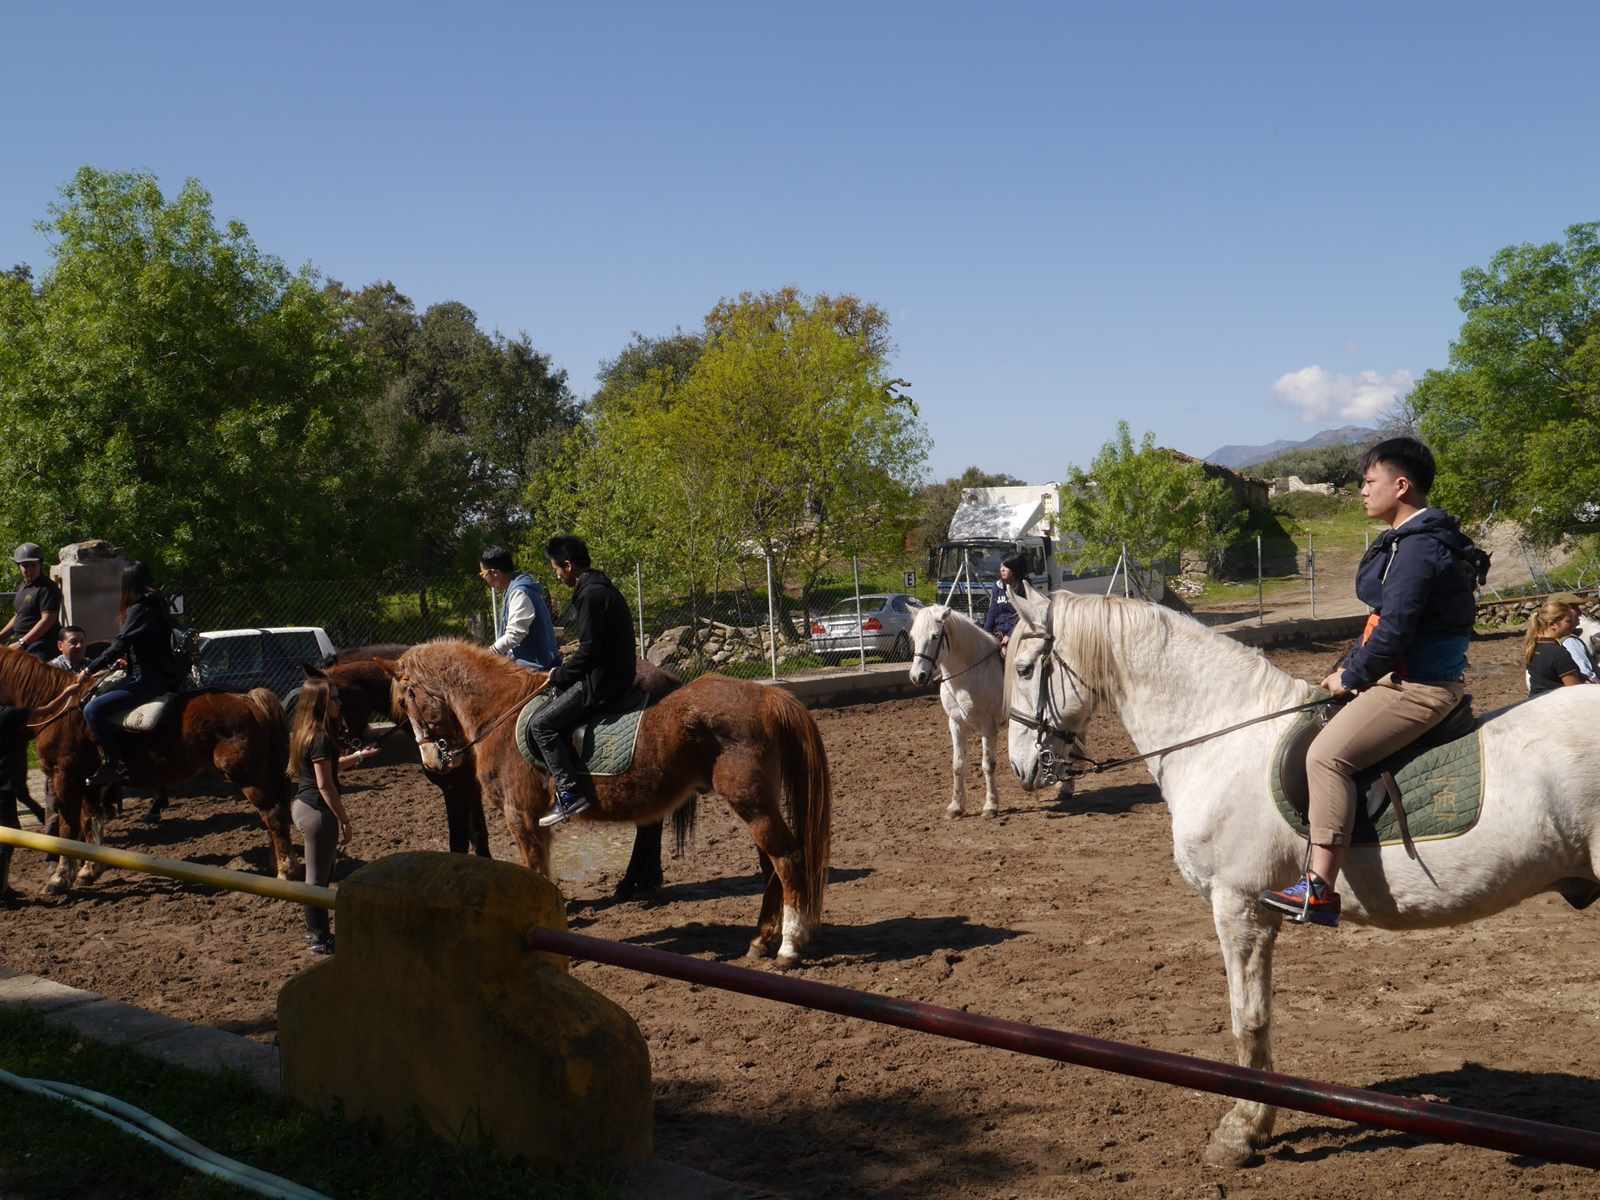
x=1308, y=900
x=568, y=804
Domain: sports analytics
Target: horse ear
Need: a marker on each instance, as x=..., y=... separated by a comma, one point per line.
x=314, y=672
x=1032, y=609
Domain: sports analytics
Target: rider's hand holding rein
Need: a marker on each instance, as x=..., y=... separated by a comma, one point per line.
x=1334, y=686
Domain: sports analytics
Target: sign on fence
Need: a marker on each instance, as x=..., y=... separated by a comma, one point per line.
x=911, y=580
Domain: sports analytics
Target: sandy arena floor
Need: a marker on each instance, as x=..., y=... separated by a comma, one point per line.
x=1069, y=916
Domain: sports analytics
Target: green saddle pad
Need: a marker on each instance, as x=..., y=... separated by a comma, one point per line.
x=605, y=746
x=1441, y=788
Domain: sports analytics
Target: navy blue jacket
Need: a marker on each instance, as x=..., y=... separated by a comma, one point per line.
x=1420, y=580
x=605, y=658
x=1001, y=618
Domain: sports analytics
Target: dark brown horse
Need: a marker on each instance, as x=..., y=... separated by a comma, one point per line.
x=755, y=746
x=244, y=738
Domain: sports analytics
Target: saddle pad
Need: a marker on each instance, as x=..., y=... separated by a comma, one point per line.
x=605, y=746
x=145, y=717
x=1441, y=787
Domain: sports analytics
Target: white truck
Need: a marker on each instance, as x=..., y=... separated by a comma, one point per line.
x=994, y=523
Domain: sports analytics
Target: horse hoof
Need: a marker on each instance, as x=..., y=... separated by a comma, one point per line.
x=152, y=816
x=57, y=886
x=952, y=813
x=786, y=960
x=84, y=878
x=991, y=812
x=1229, y=1154
x=760, y=948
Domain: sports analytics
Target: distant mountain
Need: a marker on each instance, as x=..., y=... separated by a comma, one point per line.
x=1247, y=456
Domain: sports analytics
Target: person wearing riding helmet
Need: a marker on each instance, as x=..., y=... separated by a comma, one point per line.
x=144, y=645
x=1406, y=674
x=1001, y=618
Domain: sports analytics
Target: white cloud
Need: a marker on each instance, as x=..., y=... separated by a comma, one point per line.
x=1319, y=394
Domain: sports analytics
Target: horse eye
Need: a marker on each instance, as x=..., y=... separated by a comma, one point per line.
x=1025, y=670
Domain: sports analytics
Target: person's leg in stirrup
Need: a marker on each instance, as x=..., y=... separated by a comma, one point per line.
x=551, y=731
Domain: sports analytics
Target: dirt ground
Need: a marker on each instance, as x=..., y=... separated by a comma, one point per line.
x=1067, y=915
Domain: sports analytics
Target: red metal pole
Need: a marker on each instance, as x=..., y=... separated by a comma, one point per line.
x=1472, y=1127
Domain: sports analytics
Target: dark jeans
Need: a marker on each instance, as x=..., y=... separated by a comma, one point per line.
x=107, y=708
x=13, y=787
x=551, y=730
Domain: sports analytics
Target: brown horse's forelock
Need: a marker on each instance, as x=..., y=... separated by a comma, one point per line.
x=28, y=683
x=456, y=671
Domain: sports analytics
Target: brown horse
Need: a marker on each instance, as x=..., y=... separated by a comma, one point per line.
x=755, y=746
x=364, y=677
x=242, y=737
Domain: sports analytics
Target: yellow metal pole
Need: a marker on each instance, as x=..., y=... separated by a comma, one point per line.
x=132, y=860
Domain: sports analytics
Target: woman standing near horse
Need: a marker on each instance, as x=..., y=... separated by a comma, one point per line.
x=144, y=645
x=1406, y=674
x=317, y=808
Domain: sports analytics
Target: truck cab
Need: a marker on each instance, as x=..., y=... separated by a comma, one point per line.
x=992, y=524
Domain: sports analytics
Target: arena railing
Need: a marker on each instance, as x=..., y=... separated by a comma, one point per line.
x=1425, y=1118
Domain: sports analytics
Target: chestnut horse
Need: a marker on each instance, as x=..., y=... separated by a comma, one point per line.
x=242, y=737
x=755, y=746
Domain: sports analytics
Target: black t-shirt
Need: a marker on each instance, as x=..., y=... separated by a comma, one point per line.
x=33, y=601
x=321, y=749
x=1549, y=663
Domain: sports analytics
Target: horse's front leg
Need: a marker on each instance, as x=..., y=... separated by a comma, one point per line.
x=1247, y=934
x=991, y=794
x=958, y=768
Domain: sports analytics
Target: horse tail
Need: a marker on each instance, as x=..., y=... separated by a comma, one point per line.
x=808, y=789
x=270, y=716
x=684, y=819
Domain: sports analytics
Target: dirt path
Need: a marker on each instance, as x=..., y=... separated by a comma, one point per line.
x=1070, y=916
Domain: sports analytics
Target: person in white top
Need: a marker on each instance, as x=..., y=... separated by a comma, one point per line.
x=528, y=634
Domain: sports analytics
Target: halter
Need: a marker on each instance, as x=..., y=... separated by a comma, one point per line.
x=1044, y=727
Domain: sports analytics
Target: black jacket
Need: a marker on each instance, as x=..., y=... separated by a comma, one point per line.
x=1420, y=580
x=146, y=640
x=605, y=657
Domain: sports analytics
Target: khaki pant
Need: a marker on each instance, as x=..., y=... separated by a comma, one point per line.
x=1379, y=721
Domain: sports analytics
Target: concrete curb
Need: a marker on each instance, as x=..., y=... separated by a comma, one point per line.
x=197, y=1048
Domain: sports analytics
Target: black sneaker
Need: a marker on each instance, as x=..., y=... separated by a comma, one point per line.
x=568, y=804
x=322, y=946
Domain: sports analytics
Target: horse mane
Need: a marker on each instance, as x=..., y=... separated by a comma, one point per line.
x=1097, y=634
x=459, y=669
x=28, y=682
x=964, y=625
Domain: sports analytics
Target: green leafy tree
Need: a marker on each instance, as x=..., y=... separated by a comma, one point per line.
x=1149, y=500
x=1515, y=419
x=172, y=388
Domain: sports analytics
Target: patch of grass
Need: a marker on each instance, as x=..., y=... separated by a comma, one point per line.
x=52, y=1151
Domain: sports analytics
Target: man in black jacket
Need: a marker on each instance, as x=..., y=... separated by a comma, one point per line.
x=592, y=677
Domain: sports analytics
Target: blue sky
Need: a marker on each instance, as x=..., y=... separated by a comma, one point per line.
x=1222, y=222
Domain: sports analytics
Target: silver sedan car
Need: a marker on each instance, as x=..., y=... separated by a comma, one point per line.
x=884, y=628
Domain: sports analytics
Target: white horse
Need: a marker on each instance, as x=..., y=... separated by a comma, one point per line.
x=1171, y=679
x=971, y=683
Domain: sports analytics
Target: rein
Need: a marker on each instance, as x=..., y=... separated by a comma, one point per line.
x=1042, y=727
x=68, y=694
x=447, y=755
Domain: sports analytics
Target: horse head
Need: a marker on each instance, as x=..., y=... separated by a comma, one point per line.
x=1049, y=703
x=927, y=642
x=440, y=740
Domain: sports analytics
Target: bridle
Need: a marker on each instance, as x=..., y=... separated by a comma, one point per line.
x=448, y=753
x=936, y=650
x=1043, y=726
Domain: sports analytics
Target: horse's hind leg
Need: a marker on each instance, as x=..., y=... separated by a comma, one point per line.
x=958, y=768
x=1247, y=934
x=991, y=794
x=742, y=780
x=274, y=815
x=768, y=928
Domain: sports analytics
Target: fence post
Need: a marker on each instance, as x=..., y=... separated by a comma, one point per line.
x=861, y=634
x=1311, y=559
x=966, y=565
x=772, y=617
x=494, y=615
x=638, y=591
x=1127, y=568
x=1260, y=608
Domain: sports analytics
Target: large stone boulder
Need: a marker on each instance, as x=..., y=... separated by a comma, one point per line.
x=433, y=1005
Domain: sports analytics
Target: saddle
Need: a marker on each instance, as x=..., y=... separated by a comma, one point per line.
x=146, y=717
x=605, y=745
x=1429, y=790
